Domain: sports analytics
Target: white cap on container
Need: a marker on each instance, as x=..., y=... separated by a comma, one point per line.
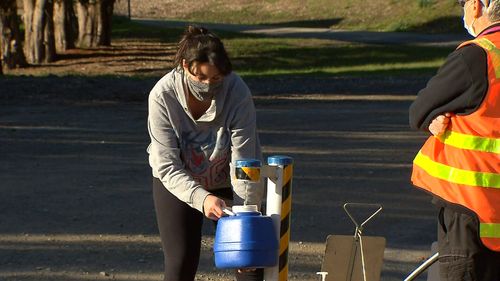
x=245, y=208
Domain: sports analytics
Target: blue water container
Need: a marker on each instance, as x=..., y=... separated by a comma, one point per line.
x=245, y=240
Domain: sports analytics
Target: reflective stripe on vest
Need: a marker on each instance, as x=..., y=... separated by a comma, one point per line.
x=455, y=175
x=494, y=53
x=470, y=142
x=490, y=230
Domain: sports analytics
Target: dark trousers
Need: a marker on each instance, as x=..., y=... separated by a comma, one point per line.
x=180, y=232
x=462, y=256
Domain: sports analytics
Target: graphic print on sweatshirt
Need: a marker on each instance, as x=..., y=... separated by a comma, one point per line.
x=206, y=156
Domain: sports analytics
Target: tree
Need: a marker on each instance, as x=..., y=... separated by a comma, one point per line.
x=50, y=26
x=39, y=41
x=65, y=25
x=94, y=22
x=10, y=37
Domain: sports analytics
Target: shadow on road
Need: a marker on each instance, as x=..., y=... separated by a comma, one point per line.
x=76, y=195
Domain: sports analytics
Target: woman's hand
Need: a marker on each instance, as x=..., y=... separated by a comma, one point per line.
x=439, y=124
x=212, y=207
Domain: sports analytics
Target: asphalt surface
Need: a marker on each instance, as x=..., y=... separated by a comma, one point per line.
x=76, y=195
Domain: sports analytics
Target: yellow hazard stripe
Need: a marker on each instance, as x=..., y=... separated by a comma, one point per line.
x=248, y=173
x=456, y=175
x=284, y=242
x=253, y=173
x=489, y=230
x=287, y=173
x=493, y=51
x=286, y=204
x=283, y=275
x=470, y=142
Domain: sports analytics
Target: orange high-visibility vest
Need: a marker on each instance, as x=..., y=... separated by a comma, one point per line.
x=462, y=166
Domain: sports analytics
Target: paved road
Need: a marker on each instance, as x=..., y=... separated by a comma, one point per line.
x=76, y=201
x=325, y=33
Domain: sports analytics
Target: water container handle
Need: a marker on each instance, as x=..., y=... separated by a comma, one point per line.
x=228, y=212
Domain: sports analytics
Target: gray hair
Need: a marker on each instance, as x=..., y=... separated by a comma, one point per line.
x=493, y=10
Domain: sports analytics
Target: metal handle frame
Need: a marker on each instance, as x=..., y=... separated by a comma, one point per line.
x=358, y=234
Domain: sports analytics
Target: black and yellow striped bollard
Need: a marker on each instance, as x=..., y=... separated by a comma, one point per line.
x=278, y=207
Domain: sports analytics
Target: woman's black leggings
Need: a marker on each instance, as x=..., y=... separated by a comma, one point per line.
x=180, y=232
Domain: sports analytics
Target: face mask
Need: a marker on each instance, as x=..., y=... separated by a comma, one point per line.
x=470, y=28
x=203, y=91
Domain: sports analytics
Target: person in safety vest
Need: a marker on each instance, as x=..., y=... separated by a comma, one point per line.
x=460, y=163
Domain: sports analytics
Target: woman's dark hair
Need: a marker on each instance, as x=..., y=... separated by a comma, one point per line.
x=198, y=45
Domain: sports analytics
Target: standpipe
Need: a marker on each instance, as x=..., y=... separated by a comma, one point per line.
x=279, y=173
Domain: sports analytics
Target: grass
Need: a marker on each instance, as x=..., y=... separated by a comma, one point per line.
x=271, y=56
x=379, y=15
x=124, y=28
x=259, y=56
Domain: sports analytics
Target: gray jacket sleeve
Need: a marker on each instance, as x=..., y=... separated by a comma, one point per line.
x=165, y=158
x=244, y=145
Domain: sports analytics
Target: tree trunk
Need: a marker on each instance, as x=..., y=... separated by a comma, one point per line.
x=60, y=35
x=33, y=24
x=48, y=33
x=10, y=37
x=86, y=23
x=94, y=22
x=64, y=25
x=39, y=31
x=106, y=17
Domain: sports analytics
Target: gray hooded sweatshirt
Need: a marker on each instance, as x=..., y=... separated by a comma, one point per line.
x=192, y=157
